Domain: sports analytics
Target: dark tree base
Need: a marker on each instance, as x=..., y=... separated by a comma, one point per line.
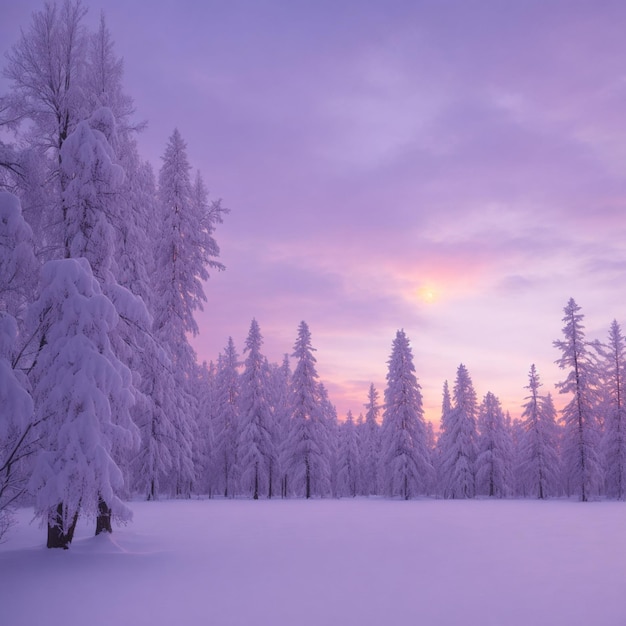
x=103, y=521
x=56, y=537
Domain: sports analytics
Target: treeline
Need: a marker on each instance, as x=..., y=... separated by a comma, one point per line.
x=268, y=432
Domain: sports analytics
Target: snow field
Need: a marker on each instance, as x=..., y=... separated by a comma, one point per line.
x=295, y=562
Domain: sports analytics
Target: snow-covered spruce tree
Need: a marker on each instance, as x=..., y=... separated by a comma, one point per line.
x=538, y=464
x=458, y=440
x=493, y=460
x=369, y=444
x=281, y=386
x=185, y=251
x=348, y=458
x=446, y=408
x=18, y=270
x=614, y=409
x=406, y=467
x=204, y=446
x=78, y=385
x=581, y=437
x=307, y=451
x=257, y=455
x=227, y=385
x=329, y=434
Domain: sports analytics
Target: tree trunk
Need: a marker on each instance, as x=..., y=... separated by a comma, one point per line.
x=308, y=479
x=103, y=521
x=56, y=537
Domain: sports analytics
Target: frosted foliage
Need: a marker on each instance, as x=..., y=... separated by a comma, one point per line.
x=581, y=429
x=46, y=67
x=227, y=422
x=257, y=451
x=82, y=395
x=16, y=406
x=309, y=470
x=90, y=207
x=458, y=440
x=494, y=458
x=185, y=247
x=406, y=465
x=18, y=267
x=349, y=458
x=614, y=440
x=538, y=460
x=103, y=77
x=370, y=444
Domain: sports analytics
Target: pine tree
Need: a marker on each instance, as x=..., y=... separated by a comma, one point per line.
x=348, y=454
x=406, y=467
x=493, y=461
x=580, y=444
x=79, y=384
x=227, y=424
x=257, y=453
x=538, y=460
x=184, y=252
x=458, y=440
x=282, y=418
x=308, y=462
x=370, y=444
x=614, y=440
x=446, y=408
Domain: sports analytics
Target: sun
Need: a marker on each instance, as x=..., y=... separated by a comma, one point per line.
x=427, y=294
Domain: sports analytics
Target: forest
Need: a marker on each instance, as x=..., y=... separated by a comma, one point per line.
x=103, y=265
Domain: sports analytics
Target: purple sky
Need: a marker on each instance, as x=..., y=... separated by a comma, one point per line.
x=456, y=169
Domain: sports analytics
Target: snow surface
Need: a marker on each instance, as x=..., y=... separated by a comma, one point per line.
x=319, y=562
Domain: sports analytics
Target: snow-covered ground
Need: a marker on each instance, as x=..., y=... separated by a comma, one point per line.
x=327, y=562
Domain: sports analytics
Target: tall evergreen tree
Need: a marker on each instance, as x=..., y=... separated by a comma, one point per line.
x=227, y=424
x=308, y=466
x=82, y=400
x=580, y=444
x=257, y=452
x=370, y=444
x=348, y=458
x=406, y=468
x=494, y=454
x=538, y=459
x=458, y=440
x=614, y=439
x=282, y=419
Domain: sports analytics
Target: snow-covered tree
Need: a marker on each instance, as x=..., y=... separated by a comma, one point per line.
x=281, y=385
x=493, y=460
x=581, y=437
x=446, y=408
x=46, y=69
x=257, y=455
x=369, y=444
x=458, y=440
x=82, y=401
x=227, y=438
x=537, y=458
x=89, y=195
x=348, y=458
x=307, y=452
x=186, y=248
x=18, y=271
x=614, y=409
x=406, y=467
